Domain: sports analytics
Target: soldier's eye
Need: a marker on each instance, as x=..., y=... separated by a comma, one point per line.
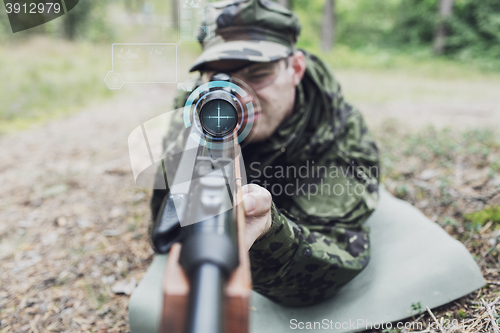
x=260, y=74
x=257, y=78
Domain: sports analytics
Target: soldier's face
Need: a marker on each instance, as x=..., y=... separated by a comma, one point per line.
x=274, y=85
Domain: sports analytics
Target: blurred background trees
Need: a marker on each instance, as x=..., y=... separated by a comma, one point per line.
x=466, y=27
x=461, y=29
x=71, y=53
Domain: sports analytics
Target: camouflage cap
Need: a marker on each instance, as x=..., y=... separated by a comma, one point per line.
x=254, y=30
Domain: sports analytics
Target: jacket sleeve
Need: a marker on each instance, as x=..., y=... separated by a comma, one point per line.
x=319, y=242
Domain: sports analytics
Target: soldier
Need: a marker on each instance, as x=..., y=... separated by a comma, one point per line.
x=312, y=165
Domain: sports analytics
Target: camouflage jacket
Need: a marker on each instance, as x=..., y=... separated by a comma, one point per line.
x=321, y=166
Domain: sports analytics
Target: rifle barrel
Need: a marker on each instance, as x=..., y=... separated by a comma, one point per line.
x=206, y=300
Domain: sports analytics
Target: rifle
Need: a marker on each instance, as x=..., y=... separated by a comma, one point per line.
x=207, y=281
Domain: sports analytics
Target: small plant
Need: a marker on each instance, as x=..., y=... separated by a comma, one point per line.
x=483, y=216
x=449, y=221
x=475, y=226
x=495, y=166
x=402, y=191
x=391, y=330
x=416, y=307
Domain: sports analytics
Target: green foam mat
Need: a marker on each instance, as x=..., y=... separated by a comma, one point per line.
x=413, y=261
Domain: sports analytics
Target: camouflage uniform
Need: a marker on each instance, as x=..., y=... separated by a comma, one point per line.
x=317, y=241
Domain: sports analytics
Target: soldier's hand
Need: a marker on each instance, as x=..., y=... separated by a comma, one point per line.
x=257, y=201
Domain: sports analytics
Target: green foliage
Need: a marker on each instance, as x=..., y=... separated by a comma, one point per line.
x=360, y=23
x=407, y=26
x=363, y=23
x=483, y=216
x=311, y=23
x=391, y=330
x=482, y=138
x=494, y=167
x=77, y=19
x=416, y=307
x=473, y=226
x=402, y=191
x=474, y=27
x=449, y=221
x=87, y=21
x=416, y=22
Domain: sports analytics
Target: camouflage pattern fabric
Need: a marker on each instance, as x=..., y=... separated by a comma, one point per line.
x=255, y=30
x=317, y=241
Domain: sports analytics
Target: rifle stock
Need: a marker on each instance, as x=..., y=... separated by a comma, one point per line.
x=236, y=292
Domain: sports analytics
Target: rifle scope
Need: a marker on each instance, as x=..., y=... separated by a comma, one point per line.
x=218, y=110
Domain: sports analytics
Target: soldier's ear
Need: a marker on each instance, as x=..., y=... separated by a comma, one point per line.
x=298, y=64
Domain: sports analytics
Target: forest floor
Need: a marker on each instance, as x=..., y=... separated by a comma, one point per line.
x=73, y=224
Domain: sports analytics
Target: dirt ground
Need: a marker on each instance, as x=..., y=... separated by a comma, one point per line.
x=73, y=225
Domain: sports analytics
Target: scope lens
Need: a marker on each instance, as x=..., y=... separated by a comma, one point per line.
x=218, y=117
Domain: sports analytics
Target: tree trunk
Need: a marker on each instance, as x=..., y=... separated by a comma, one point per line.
x=328, y=28
x=76, y=20
x=284, y=3
x=175, y=14
x=445, y=11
